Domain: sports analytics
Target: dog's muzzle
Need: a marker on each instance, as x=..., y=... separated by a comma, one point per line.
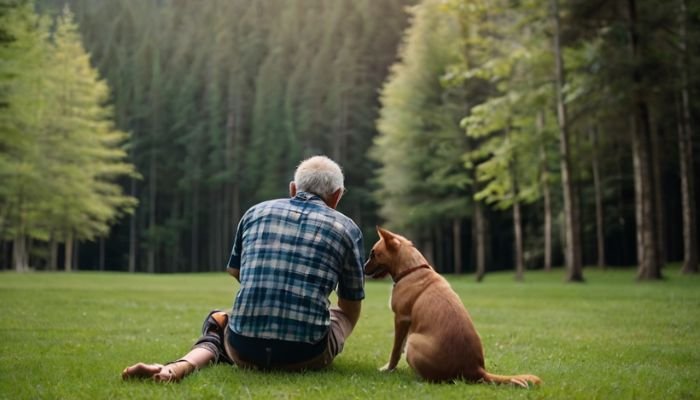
x=376, y=271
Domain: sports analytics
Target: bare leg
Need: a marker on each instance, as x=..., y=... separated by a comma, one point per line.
x=198, y=357
x=172, y=372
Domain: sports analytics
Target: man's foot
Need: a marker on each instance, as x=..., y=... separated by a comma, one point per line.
x=171, y=372
x=141, y=370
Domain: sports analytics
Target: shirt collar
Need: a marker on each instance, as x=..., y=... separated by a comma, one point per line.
x=306, y=196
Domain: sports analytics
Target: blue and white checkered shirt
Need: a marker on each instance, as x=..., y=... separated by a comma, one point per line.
x=292, y=253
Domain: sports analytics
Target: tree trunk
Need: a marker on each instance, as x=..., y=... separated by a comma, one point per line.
x=173, y=257
x=235, y=145
x=517, y=219
x=685, y=153
x=573, y=262
x=690, y=230
x=155, y=128
x=647, y=256
x=600, y=238
x=546, y=194
x=429, y=249
x=220, y=233
x=480, y=237
x=53, y=254
x=4, y=254
x=658, y=190
x=194, y=239
x=76, y=255
x=457, y=244
x=648, y=245
x=227, y=187
x=68, y=258
x=152, y=208
x=132, y=231
x=102, y=254
x=518, y=231
x=439, y=265
x=237, y=209
x=19, y=253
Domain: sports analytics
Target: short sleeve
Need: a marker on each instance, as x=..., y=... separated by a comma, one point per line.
x=351, y=285
x=234, y=260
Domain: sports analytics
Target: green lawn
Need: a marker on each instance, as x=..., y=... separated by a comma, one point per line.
x=69, y=336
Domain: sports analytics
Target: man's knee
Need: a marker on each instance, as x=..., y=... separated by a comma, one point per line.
x=216, y=322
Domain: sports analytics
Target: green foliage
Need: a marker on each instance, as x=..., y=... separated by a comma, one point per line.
x=498, y=55
x=86, y=153
x=60, y=155
x=20, y=65
x=422, y=178
x=70, y=336
x=510, y=57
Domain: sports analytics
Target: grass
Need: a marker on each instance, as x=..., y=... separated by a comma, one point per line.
x=69, y=335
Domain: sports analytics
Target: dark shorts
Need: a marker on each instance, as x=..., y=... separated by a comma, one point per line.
x=269, y=352
x=265, y=354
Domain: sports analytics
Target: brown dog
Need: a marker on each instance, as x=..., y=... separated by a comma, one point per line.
x=430, y=321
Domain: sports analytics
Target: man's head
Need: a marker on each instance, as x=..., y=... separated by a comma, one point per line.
x=321, y=176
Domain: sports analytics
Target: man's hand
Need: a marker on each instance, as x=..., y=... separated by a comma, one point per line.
x=234, y=272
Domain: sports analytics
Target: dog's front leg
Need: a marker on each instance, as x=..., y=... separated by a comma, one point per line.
x=401, y=325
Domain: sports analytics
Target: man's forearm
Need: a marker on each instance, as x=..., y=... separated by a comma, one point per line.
x=351, y=309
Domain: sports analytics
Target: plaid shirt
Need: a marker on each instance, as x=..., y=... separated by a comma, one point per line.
x=292, y=253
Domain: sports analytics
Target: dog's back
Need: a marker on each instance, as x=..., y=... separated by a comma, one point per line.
x=442, y=343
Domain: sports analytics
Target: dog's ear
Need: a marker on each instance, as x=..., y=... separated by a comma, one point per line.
x=383, y=233
x=390, y=241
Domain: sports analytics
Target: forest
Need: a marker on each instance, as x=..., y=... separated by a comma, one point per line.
x=495, y=134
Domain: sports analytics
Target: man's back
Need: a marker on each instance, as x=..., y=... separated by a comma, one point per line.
x=292, y=253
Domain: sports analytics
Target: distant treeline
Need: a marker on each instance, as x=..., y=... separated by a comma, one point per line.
x=495, y=134
x=222, y=99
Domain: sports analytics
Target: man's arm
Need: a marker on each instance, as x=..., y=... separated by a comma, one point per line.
x=351, y=309
x=234, y=272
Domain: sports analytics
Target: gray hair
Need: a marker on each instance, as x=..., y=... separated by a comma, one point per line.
x=318, y=175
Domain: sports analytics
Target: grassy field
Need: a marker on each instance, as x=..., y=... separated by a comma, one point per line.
x=69, y=336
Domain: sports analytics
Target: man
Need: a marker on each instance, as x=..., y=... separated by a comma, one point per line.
x=288, y=255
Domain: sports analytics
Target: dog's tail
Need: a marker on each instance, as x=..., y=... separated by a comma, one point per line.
x=524, y=380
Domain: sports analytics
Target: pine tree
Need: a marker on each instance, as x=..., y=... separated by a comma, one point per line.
x=22, y=51
x=422, y=176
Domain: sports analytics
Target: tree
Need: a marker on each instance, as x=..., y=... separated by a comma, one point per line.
x=422, y=179
x=22, y=49
x=509, y=122
x=685, y=148
x=571, y=225
x=69, y=155
x=83, y=150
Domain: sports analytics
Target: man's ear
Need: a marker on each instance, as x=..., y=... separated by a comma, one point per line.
x=292, y=189
x=390, y=240
x=334, y=199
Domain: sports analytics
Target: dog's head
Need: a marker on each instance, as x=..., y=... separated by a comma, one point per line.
x=389, y=255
